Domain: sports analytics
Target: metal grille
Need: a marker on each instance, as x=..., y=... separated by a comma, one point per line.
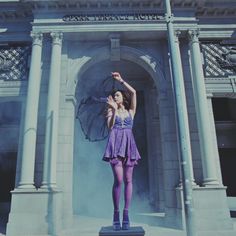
x=14, y=63
x=212, y=52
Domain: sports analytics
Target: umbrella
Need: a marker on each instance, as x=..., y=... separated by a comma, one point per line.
x=91, y=111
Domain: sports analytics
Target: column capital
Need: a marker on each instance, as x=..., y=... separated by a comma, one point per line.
x=37, y=38
x=210, y=95
x=177, y=34
x=193, y=35
x=56, y=37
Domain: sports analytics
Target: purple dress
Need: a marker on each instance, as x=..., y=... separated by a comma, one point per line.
x=121, y=144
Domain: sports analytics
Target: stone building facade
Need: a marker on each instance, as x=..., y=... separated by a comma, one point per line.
x=52, y=54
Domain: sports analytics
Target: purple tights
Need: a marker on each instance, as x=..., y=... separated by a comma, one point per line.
x=121, y=172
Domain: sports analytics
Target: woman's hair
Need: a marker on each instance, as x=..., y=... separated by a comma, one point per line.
x=126, y=97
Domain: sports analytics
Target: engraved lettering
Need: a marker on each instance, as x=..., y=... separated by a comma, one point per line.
x=121, y=17
x=116, y=17
x=136, y=17
x=111, y=17
x=142, y=16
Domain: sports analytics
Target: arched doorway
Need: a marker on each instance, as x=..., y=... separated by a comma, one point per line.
x=92, y=178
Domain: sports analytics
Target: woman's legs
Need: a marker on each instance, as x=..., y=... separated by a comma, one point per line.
x=116, y=189
x=118, y=171
x=128, y=175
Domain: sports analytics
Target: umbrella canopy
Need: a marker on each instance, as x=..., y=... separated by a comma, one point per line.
x=92, y=109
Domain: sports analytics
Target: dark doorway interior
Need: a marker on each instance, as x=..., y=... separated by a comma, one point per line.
x=10, y=116
x=7, y=183
x=224, y=109
x=225, y=119
x=228, y=163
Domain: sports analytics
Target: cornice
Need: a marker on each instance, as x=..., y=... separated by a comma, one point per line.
x=201, y=8
x=93, y=4
x=199, y=4
x=14, y=11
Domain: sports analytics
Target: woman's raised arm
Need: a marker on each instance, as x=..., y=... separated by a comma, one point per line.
x=133, y=104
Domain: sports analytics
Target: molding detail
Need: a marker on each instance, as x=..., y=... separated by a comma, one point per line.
x=115, y=47
x=228, y=59
x=26, y=8
x=37, y=38
x=219, y=60
x=14, y=63
x=57, y=37
x=5, y=63
x=193, y=36
x=177, y=34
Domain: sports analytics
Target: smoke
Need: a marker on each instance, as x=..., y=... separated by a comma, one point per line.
x=93, y=178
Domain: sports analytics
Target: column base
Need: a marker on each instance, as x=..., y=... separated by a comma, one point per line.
x=210, y=182
x=48, y=186
x=194, y=185
x=34, y=212
x=26, y=186
x=211, y=213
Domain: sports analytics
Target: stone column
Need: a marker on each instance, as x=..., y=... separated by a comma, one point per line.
x=31, y=115
x=214, y=138
x=177, y=33
x=50, y=153
x=204, y=125
x=182, y=124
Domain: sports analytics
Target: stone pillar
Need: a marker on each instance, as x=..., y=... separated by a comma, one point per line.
x=65, y=172
x=182, y=124
x=50, y=153
x=214, y=138
x=31, y=115
x=204, y=125
x=179, y=61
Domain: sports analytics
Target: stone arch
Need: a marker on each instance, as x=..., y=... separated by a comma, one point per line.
x=143, y=59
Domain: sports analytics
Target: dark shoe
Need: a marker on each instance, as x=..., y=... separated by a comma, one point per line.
x=116, y=220
x=125, y=222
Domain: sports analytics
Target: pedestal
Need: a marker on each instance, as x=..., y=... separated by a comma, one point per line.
x=211, y=209
x=34, y=212
x=134, y=231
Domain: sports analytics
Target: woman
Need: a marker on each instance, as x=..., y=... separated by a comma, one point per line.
x=121, y=150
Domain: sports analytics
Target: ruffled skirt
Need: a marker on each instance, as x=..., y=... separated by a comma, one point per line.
x=121, y=146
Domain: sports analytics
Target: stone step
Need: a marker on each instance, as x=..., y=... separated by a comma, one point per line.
x=90, y=226
x=133, y=231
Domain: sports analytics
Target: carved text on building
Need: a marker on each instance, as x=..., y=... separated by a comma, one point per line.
x=112, y=17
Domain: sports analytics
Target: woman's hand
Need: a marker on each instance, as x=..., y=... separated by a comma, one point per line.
x=116, y=76
x=111, y=103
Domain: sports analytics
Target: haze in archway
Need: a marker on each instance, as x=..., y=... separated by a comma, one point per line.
x=93, y=177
